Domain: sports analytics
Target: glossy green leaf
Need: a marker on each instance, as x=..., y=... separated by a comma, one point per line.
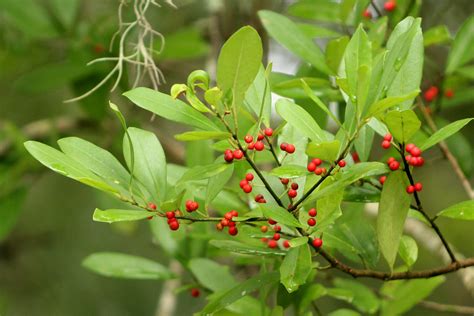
x=165, y=106
x=310, y=93
x=444, y=133
x=298, y=241
x=364, y=299
x=316, y=31
x=201, y=135
x=238, y=247
x=408, y=250
x=344, y=312
x=363, y=142
x=289, y=171
x=388, y=102
x=226, y=298
x=203, y=172
x=287, y=33
x=328, y=205
x=238, y=63
x=321, y=10
x=300, y=120
x=408, y=294
x=217, y=183
x=211, y=275
x=462, y=50
x=255, y=99
x=115, y=215
x=436, y=35
x=119, y=265
x=335, y=51
x=463, y=211
x=63, y=164
x=295, y=268
x=378, y=31
x=149, y=161
x=279, y=214
x=402, y=124
x=327, y=151
x=393, y=210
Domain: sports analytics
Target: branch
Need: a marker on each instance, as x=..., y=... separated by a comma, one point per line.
x=468, y=310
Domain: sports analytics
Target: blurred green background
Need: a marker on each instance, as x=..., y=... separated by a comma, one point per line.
x=45, y=219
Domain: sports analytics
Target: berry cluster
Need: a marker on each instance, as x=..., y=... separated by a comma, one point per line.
x=387, y=139
x=292, y=192
x=393, y=164
x=191, y=206
x=245, y=184
x=289, y=148
x=312, y=213
x=258, y=145
x=230, y=155
x=273, y=242
x=313, y=166
x=152, y=207
x=259, y=198
x=172, y=220
x=414, y=159
x=228, y=222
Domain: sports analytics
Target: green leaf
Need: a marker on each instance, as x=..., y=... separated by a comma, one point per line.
x=165, y=106
x=300, y=120
x=298, y=241
x=224, y=299
x=203, y=172
x=184, y=44
x=364, y=299
x=114, y=215
x=62, y=164
x=335, y=51
x=325, y=151
x=344, y=312
x=235, y=246
x=363, y=142
x=341, y=294
x=436, y=35
x=393, y=210
x=316, y=31
x=408, y=294
x=444, y=133
x=119, y=265
x=402, y=124
x=149, y=161
x=211, y=274
x=255, y=99
x=324, y=10
x=200, y=135
x=388, y=102
x=295, y=268
x=463, y=211
x=217, y=183
x=10, y=210
x=462, y=50
x=408, y=250
x=239, y=62
x=287, y=33
x=310, y=93
x=279, y=214
x=328, y=205
x=289, y=171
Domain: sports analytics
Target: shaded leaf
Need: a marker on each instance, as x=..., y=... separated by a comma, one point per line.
x=463, y=211
x=115, y=215
x=295, y=268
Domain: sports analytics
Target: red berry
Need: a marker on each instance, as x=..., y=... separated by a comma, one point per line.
x=283, y=146
x=409, y=147
x=415, y=152
x=191, y=206
x=286, y=244
x=311, y=167
x=449, y=93
x=243, y=183
x=276, y=236
x=195, y=292
x=228, y=157
x=294, y=186
x=258, y=197
x=228, y=216
x=228, y=151
x=264, y=229
x=341, y=163
x=394, y=165
x=367, y=14
x=382, y=179
x=238, y=154
x=355, y=157
x=170, y=215
x=290, y=148
x=271, y=221
x=219, y=226
x=225, y=222
x=234, y=213
x=248, y=139
x=312, y=212
x=317, y=242
x=233, y=231
x=251, y=146
x=431, y=93
x=263, y=239
x=152, y=206
x=174, y=225
x=388, y=137
x=390, y=160
x=385, y=144
x=284, y=181
x=259, y=146
x=311, y=221
x=249, y=176
x=292, y=193
x=390, y=5
x=323, y=170
x=247, y=188
x=232, y=224
x=268, y=131
x=418, y=186
x=260, y=136
x=272, y=243
x=277, y=228
x=149, y=217
x=318, y=171
x=317, y=161
x=410, y=189
x=420, y=161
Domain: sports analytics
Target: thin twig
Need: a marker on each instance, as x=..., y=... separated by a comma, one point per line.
x=467, y=310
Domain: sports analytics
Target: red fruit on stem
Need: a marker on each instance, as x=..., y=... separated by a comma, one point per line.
x=243, y=183
x=355, y=157
x=264, y=229
x=229, y=157
x=248, y=139
x=382, y=179
x=238, y=154
x=277, y=228
x=271, y=221
x=415, y=152
x=249, y=176
x=317, y=161
x=225, y=222
x=219, y=226
x=367, y=14
x=195, y=292
x=263, y=239
x=268, y=131
x=409, y=147
x=276, y=236
x=284, y=181
x=390, y=160
x=286, y=244
x=170, y=215
x=251, y=146
x=227, y=151
x=258, y=197
x=341, y=163
x=174, y=225
x=385, y=144
x=290, y=148
x=311, y=167
x=388, y=137
x=283, y=146
x=259, y=146
x=228, y=216
x=311, y=221
x=152, y=206
x=410, y=189
x=317, y=242
x=390, y=5
x=449, y=93
x=233, y=231
x=312, y=212
x=234, y=213
x=247, y=188
x=394, y=165
x=292, y=193
x=260, y=136
x=294, y=186
x=272, y=243
x=418, y=187
x=318, y=171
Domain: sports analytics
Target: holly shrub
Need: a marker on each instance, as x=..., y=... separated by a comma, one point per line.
x=284, y=196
